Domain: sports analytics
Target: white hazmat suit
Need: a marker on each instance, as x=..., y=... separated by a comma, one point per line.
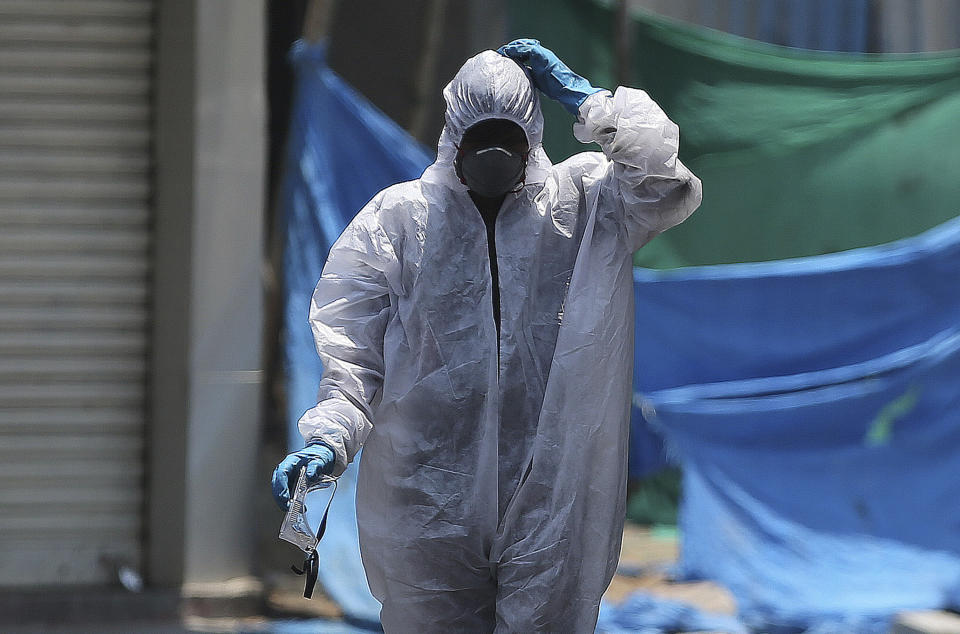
x=492, y=488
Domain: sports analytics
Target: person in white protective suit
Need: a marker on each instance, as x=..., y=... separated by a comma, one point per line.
x=493, y=402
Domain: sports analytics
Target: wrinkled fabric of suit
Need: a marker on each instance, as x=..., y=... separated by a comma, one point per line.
x=492, y=488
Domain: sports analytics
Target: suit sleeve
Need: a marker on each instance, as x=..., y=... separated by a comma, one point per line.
x=652, y=190
x=348, y=315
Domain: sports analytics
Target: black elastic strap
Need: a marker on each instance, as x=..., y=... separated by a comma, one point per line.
x=311, y=564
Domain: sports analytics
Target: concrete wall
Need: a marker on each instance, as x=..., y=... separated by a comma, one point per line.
x=208, y=307
x=403, y=70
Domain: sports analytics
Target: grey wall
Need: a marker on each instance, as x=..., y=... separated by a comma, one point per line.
x=394, y=66
x=208, y=307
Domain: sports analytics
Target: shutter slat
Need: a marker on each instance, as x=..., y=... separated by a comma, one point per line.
x=92, y=473
x=70, y=495
x=98, y=519
x=36, y=240
x=80, y=135
x=76, y=267
x=70, y=12
x=60, y=344
x=42, y=421
x=67, y=85
x=70, y=447
x=22, y=111
x=67, y=318
x=71, y=162
x=123, y=189
x=28, y=33
x=73, y=213
x=55, y=292
x=80, y=60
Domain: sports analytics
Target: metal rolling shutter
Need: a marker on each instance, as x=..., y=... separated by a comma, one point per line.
x=75, y=122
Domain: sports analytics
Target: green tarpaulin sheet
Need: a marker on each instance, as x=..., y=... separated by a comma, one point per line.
x=800, y=152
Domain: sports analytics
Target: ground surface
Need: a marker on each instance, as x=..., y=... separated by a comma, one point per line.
x=651, y=553
x=646, y=558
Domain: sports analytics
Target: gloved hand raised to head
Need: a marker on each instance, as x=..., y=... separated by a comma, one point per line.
x=317, y=458
x=551, y=76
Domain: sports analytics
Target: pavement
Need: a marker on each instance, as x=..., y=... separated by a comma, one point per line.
x=645, y=559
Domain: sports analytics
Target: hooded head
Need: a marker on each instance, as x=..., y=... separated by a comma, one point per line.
x=490, y=86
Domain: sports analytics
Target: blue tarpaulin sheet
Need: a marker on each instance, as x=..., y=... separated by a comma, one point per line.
x=340, y=152
x=741, y=321
x=815, y=407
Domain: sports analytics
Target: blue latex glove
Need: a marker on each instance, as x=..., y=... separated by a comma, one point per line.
x=318, y=459
x=551, y=76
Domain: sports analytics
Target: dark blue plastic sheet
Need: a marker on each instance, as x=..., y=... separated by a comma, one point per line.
x=817, y=422
x=740, y=321
x=341, y=151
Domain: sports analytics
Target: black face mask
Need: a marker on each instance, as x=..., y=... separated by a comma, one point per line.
x=491, y=171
